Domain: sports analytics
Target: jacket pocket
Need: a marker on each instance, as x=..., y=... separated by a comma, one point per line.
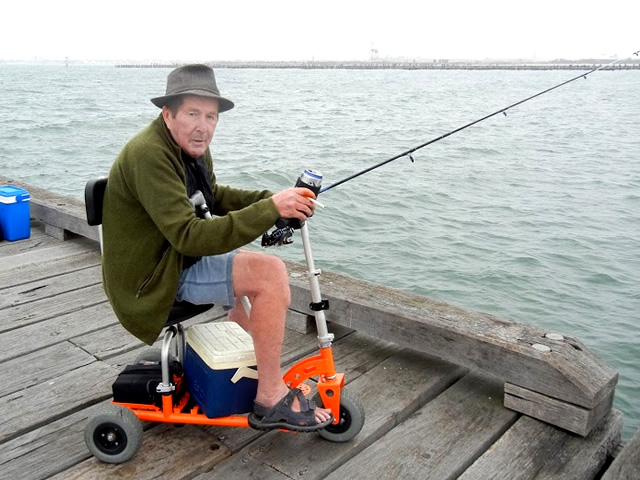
x=152, y=279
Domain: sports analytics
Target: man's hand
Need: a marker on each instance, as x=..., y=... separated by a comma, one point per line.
x=295, y=203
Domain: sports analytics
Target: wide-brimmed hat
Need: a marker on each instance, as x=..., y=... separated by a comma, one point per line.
x=193, y=80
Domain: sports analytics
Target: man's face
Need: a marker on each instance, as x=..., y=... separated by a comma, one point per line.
x=193, y=126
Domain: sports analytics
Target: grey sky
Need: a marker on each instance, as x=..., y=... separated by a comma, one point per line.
x=202, y=30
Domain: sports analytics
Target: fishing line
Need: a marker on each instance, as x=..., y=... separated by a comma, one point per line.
x=409, y=152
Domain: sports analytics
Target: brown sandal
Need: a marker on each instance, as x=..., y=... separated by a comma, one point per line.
x=282, y=416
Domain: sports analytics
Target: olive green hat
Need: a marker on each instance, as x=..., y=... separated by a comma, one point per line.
x=193, y=80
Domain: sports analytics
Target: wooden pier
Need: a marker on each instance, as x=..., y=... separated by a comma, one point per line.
x=398, y=65
x=402, y=65
x=448, y=393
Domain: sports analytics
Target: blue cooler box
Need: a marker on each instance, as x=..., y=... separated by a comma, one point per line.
x=220, y=368
x=14, y=213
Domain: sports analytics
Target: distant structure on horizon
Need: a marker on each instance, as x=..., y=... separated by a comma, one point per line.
x=386, y=64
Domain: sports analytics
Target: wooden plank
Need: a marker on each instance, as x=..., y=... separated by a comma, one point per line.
x=52, y=268
x=441, y=439
x=568, y=371
x=626, y=466
x=30, y=338
x=48, y=449
x=50, y=287
x=51, y=307
x=32, y=407
x=408, y=380
x=565, y=415
x=45, y=254
x=534, y=450
x=37, y=239
x=166, y=452
x=42, y=366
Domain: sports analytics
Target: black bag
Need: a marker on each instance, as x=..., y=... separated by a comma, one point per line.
x=137, y=383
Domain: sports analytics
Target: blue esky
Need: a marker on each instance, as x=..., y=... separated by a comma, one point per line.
x=201, y=30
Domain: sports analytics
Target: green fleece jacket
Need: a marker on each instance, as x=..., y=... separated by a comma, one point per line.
x=149, y=225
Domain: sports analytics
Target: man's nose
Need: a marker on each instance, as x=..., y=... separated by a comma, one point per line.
x=201, y=124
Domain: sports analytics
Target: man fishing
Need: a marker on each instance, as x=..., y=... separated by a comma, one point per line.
x=159, y=249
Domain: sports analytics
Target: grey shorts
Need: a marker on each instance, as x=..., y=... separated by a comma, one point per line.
x=209, y=280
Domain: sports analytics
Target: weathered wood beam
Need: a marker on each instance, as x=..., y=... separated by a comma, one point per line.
x=566, y=415
x=522, y=355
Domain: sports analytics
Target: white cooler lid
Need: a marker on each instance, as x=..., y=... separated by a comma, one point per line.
x=222, y=345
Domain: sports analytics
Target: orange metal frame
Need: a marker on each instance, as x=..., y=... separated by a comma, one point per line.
x=321, y=366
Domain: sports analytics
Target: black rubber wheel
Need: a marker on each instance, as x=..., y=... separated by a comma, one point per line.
x=350, y=422
x=114, y=434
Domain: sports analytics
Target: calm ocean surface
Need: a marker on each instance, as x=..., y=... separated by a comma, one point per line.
x=534, y=216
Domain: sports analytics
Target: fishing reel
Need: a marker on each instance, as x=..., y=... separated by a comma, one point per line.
x=285, y=227
x=277, y=238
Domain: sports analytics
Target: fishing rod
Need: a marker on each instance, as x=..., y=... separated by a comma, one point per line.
x=441, y=137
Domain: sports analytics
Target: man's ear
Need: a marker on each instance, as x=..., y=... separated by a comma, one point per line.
x=165, y=113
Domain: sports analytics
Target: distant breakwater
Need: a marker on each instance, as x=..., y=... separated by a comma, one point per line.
x=390, y=65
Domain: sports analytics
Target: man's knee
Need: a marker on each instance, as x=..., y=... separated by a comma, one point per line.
x=262, y=273
x=278, y=276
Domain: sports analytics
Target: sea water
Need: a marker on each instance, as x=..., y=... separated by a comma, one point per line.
x=533, y=216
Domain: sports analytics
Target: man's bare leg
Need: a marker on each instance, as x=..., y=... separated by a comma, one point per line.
x=264, y=280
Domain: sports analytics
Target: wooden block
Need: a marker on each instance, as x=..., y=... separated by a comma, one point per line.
x=300, y=322
x=57, y=232
x=531, y=450
x=565, y=415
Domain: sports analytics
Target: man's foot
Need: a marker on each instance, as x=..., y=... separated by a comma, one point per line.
x=293, y=412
